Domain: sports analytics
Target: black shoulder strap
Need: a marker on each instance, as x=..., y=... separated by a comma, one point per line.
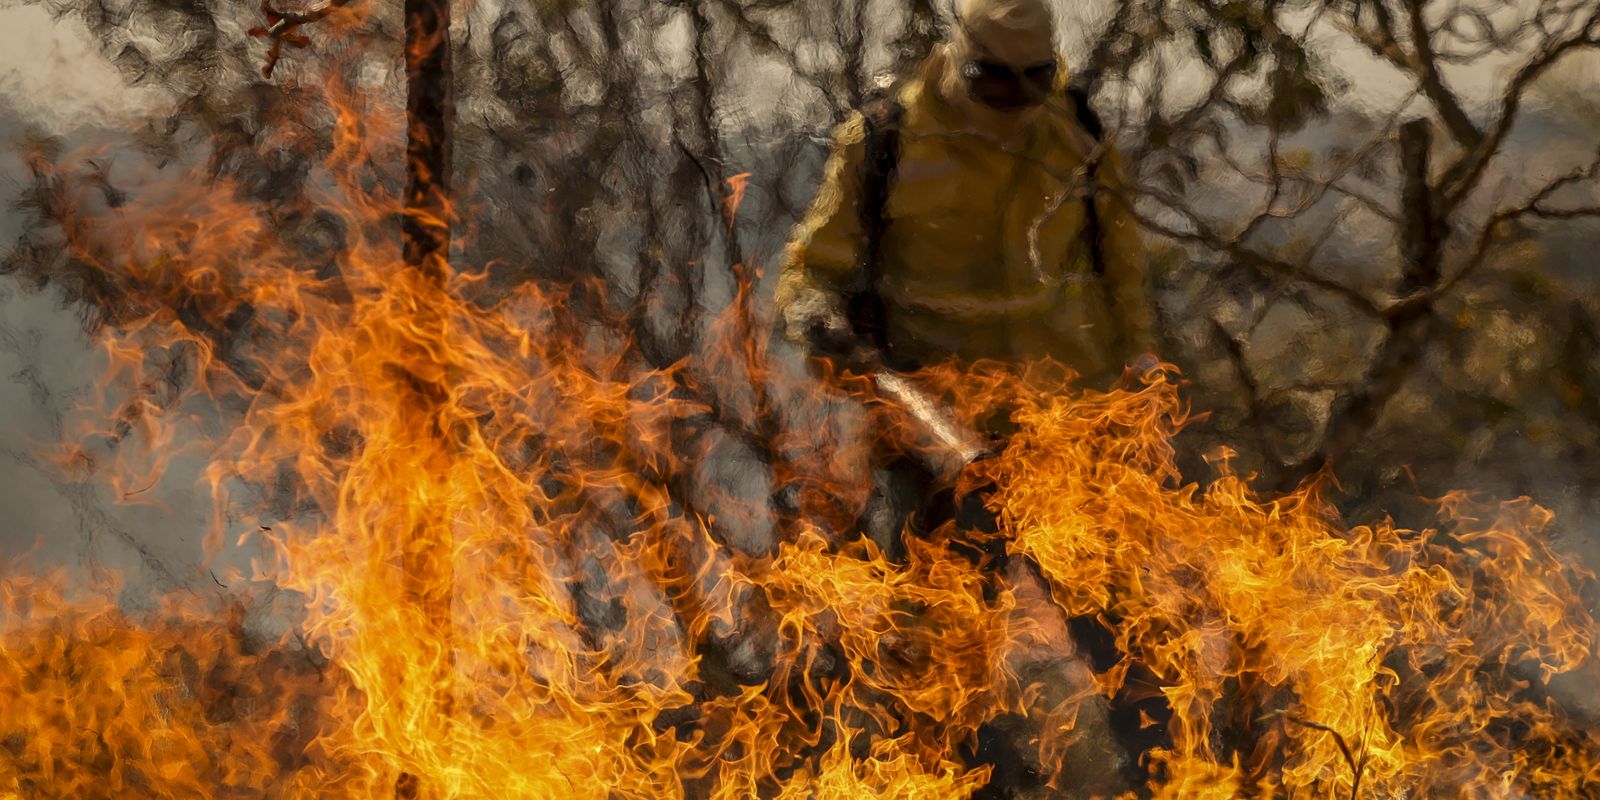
x=1087, y=117
x=881, y=118
x=882, y=158
x=1092, y=125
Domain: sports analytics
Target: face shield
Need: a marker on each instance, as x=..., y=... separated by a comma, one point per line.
x=1003, y=87
x=1006, y=68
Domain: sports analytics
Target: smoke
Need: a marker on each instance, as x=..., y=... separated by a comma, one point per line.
x=597, y=166
x=55, y=83
x=53, y=77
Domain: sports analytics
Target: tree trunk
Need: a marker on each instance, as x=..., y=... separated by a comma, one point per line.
x=429, y=108
x=1422, y=241
x=425, y=232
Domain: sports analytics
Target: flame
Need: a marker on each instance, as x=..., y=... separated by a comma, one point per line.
x=737, y=184
x=1384, y=657
x=478, y=513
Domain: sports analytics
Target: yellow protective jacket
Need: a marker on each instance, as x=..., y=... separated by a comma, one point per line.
x=982, y=257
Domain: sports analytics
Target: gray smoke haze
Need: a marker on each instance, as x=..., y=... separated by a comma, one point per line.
x=1299, y=355
x=53, y=81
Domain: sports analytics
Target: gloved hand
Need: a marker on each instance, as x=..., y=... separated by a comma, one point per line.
x=1137, y=370
x=816, y=320
x=1143, y=364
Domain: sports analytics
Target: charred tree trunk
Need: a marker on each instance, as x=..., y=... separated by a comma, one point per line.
x=1410, y=324
x=1422, y=238
x=429, y=108
x=427, y=569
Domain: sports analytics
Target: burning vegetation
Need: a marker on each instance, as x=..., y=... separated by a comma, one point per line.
x=489, y=570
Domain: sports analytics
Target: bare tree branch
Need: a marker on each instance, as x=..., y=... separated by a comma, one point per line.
x=283, y=28
x=1463, y=176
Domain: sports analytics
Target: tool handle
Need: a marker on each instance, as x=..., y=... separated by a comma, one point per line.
x=942, y=443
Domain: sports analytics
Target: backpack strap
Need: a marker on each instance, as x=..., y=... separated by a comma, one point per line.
x=1087, y=117
x=1091, y=123
x=864, y=305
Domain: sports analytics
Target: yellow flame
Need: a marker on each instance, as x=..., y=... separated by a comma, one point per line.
x=479, y=507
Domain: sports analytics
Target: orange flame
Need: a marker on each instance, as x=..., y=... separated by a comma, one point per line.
x=502, y=592
x=730, y=204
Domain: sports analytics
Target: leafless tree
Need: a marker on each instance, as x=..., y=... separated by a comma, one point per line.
x=603, y=147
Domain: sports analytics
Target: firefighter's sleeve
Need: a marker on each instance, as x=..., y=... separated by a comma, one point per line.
x=1126, y=265
x=824, y=256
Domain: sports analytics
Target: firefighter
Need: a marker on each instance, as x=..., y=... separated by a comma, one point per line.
x=976, y=218
x=972, y=214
